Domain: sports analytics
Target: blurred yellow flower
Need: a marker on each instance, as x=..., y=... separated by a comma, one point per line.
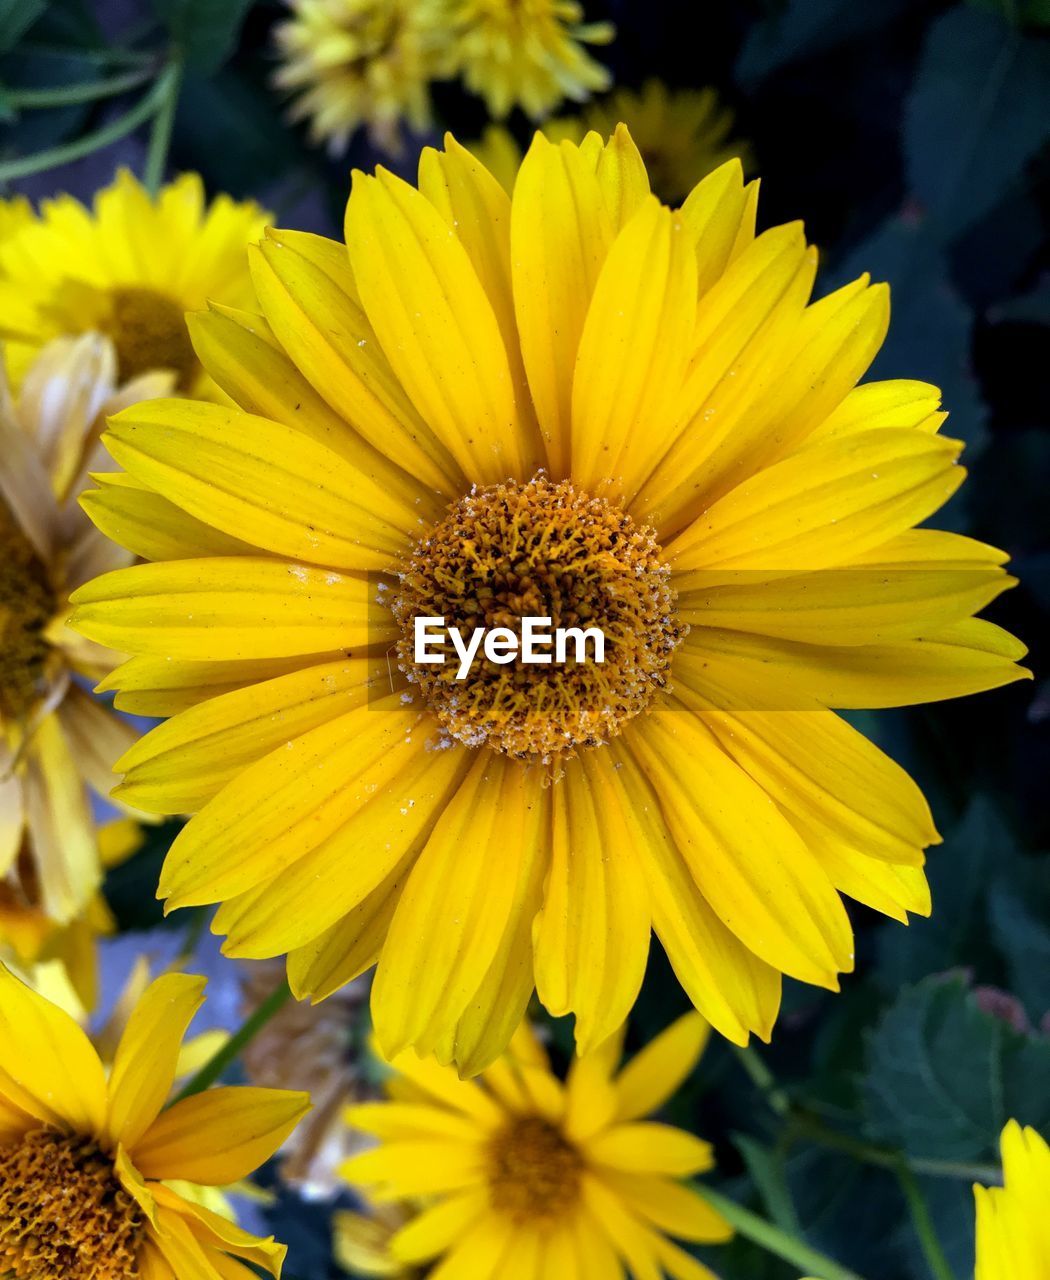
x=529, y=54
x=525, y=1175
x=362, y=63
x=129, y=268
x=362, y=1241
x=576, y=403
x=54, y=738
x=89, y=1166
x=1013, y=1225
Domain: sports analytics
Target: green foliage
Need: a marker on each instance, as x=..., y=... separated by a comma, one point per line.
x=205, y=31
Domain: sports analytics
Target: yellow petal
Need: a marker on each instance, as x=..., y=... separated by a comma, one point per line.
x=812, y=763
x=216, y=1232
x=591, y=938
x=160, y=687
x=58, y=819
x=457, y=906
x=731, y=987
x=247, y=362
x=746, y=859
x=420, y=1167
x=437, y=1228
x=560, y=233
x=947, y=662
x=396, y=805
x=884, y=886
x=48, y=1067
x=235, y=607
x=436, y=325
x=152, y=526
x=651, y=1148
x=622, y=177
x=473, y=203
x=899, y=402
x=261, y=482
x=288, y=804
x=147, y=1055
x=329, y=338
x=220, y=1136
x=653, y=1075
x=713, y=214
x=671, y=1207
x=823, y=506
x=182, y=764
x=636, y=339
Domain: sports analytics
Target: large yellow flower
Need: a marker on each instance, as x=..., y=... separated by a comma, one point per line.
x=89, y=1166
x=523, y=1175
x=130, y=268
x=1013, y=1227
x=357, y=63
x=54, y=737
x=579, y=405
x=529, y=54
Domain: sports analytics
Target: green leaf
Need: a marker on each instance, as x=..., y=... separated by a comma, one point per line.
x=206, y=31
x=16, y=17
x=943, y=1077
x=979, y=111
x=1019, y=910
x=807, y=27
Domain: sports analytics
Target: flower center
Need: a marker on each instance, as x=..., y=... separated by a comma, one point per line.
x=148, y=330
x=63, y=1213
x=540, y=549
x=27, y=605
x=533, y=1171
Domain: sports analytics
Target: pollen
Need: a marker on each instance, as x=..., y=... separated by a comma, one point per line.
x=148, y=331
x=27, y=605
x=63, y=1213
x=534, y=1172
x=541, y=549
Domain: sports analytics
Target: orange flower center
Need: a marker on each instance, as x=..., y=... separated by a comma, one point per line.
x=27, y=605
x=534, y=1172
x=148, y=331
x=540, y=549
x=63, y=1213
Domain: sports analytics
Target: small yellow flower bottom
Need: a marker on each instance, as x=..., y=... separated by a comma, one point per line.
x=541, y=549
x=535, y=1171
x=27, y=605
x=148, y=331
x=63, y=1213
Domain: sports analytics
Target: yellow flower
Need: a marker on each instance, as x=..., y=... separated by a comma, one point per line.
x=53, y=736
x=361, y=1241
x=525, y=1175
x=579, y=405
x=1013, y=1229
x=528, y=54
x=87, y=1163
x=357, y=63
x=130, y=268
x=14, y=215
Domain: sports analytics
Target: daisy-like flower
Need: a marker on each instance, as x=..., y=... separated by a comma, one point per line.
x=89, y=1165
x=523, y=1175
x=530, y=54
x=1013, y=1230
x=129, y=268
x=362, y=63
x=55, y=740
x=579, y=405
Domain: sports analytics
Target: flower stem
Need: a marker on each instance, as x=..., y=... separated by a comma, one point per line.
x=230, y=1051
x=923, y=1224
x=71, y=94
x=160, y=138
x=773, y=1239
x=147, y=106
x=761, y=1076
x=807, y=1126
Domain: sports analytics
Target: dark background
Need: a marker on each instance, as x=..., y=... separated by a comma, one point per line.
x=912, y=139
